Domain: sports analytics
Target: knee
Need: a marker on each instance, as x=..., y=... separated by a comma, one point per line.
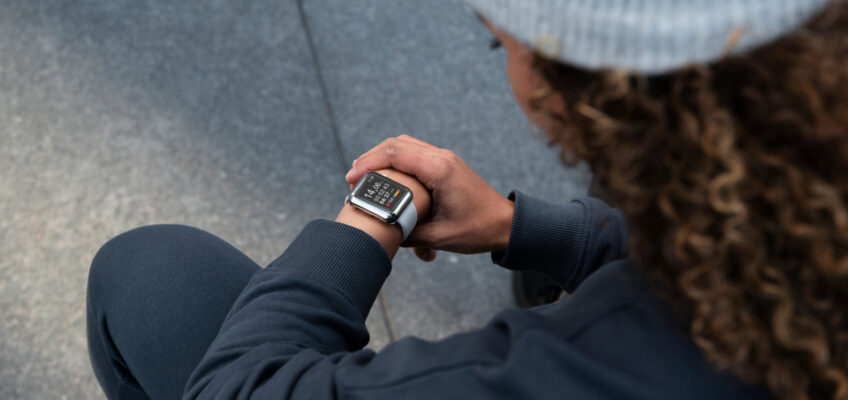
x=134, y=254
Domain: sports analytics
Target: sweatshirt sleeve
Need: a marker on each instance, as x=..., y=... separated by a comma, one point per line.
x=293, y=321
x=297, y=331
x=567, y=242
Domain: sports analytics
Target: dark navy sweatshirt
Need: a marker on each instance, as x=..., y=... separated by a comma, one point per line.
x=297, y=331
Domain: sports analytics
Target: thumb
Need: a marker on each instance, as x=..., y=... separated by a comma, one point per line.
x=424, y=253
x=425, y=235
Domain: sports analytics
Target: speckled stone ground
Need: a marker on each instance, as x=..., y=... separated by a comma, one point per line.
x=238, y=118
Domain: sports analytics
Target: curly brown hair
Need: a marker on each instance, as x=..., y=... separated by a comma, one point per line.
x=734, y=179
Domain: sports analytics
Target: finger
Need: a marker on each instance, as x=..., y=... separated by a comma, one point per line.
x=404, y=156
x=415, y=140
x=388, y=141
x=373, y=149
x=424, y=235
x=389, y=145
x=424, y=253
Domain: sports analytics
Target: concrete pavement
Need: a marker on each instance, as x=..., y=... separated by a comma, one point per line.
x=239, y=118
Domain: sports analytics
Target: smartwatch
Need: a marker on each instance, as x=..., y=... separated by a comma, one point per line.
x=384, y=199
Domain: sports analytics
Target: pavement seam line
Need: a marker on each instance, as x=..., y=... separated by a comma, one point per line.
x=384, y=308
x=320, y=75
x=304, y=22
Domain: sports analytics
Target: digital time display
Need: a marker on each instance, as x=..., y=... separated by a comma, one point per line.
x=381, y=191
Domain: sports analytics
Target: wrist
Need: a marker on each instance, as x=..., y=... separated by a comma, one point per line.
x=420, y=195
x=388, y=235
x=503, y=224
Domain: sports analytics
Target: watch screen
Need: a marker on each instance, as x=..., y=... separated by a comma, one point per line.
x=381, y=191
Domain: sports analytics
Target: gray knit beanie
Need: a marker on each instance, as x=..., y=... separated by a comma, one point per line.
x=645, y=36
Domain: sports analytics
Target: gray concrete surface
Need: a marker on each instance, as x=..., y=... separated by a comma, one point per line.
x=239, y=118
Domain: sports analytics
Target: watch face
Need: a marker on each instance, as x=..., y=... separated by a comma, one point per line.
x=381, y=192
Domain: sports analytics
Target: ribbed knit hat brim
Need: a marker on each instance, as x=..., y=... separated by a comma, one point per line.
x=645, y=36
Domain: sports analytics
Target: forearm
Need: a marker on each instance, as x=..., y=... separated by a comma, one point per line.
x=310, y=302
x=389, y=236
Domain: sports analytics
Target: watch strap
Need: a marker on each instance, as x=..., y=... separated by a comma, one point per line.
x=407, y=220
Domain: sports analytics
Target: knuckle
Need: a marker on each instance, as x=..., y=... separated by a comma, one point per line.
x=441, y=165
x=391, y=149
x=449, y=156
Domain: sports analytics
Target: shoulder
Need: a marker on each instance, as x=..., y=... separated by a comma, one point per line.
x=609, y=339
x=619, y=328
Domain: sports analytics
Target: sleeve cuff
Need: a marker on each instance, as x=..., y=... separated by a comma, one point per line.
x=545, y=237
x=339, y=256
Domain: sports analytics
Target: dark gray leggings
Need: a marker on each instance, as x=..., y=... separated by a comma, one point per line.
x=157, y=296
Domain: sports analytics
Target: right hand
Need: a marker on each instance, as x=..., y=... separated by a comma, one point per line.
x=468, y=215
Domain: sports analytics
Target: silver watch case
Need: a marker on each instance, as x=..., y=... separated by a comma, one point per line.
x=388, y=217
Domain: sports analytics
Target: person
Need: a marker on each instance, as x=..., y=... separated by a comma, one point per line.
x=718, y=129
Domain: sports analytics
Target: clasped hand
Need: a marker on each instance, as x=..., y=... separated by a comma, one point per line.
x=466, y=215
